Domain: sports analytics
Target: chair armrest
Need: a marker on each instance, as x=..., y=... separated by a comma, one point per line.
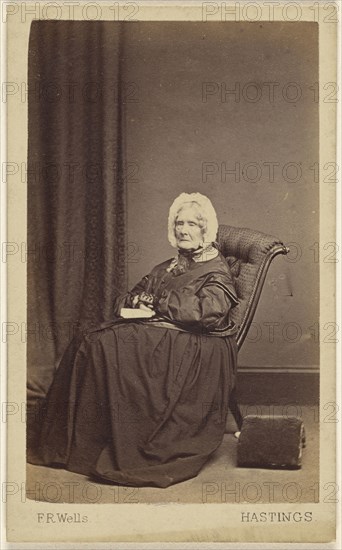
x=256, y=293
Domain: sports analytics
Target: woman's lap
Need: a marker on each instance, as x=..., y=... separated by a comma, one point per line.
x=139, y=404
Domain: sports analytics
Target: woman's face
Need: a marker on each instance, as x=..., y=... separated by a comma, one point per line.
x=188, y=231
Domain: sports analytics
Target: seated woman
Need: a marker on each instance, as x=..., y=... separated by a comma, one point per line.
x=143, y=402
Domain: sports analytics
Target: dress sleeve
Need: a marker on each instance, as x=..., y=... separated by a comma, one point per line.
x=208, y=308
x=125, y=300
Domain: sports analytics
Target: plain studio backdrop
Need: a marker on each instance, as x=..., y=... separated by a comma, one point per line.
x=140, y=112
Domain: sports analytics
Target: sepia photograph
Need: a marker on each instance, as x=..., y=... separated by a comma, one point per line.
x=136, y=131
x=173, y=265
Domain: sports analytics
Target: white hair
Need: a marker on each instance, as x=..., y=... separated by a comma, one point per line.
x=206, y=212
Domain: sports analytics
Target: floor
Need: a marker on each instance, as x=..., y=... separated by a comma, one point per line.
x=219, y=481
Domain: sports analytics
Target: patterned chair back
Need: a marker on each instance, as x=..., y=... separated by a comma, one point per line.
x=249, y=254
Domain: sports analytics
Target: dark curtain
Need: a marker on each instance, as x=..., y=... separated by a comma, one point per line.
x=76, y=194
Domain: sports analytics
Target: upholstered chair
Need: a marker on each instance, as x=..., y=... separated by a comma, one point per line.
x=249, y=254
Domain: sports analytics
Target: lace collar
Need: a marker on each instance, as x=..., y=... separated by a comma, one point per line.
x=181, y=263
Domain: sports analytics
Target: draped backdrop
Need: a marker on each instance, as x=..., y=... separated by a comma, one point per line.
x=76, y=251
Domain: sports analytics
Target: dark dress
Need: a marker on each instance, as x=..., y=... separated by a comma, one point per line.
x=144, y=402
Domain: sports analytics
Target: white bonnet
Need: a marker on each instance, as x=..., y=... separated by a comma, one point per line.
x=207, y=212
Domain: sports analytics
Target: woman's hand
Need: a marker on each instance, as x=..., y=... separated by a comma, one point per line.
x=143, y=301
x=147, y=299
x=147, y=308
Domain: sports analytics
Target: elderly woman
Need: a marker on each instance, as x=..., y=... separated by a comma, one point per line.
x=143, y=401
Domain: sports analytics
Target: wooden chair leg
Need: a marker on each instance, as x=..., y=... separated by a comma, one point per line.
x=234, y=407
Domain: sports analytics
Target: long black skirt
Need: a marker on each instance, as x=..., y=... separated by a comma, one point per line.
x=138, y=404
